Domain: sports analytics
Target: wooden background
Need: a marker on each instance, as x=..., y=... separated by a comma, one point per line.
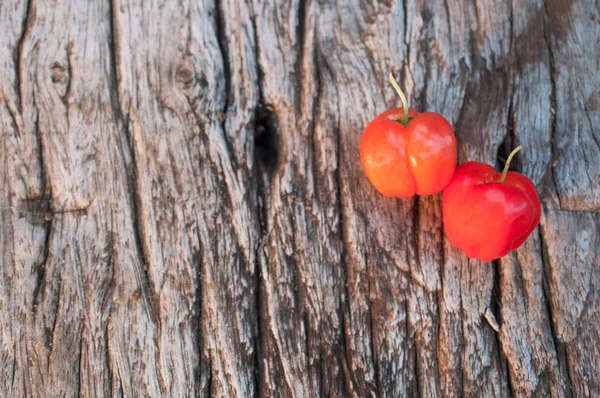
x=183, y=210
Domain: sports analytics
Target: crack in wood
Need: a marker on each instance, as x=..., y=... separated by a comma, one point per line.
x=133, y=176
x=558, y=345
x=19, y=53
x=553, y=109
x=41, y=269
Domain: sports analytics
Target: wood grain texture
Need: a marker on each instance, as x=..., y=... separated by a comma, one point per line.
x=183, y=211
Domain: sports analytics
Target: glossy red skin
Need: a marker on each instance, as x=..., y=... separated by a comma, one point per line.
x=486, y=218
x=403, y=161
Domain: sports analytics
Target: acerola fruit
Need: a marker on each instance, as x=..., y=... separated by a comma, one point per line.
x=404, y=152
x=488, y=214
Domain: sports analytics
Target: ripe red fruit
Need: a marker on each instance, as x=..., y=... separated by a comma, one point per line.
x=488, y=214
x=404, y=152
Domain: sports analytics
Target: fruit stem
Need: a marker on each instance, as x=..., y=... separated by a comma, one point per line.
x=507, y=165
x=402, y=98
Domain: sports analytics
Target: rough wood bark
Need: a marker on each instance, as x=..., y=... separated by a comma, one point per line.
x=183, y=212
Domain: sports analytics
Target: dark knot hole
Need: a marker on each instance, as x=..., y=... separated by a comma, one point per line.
x=266, y=139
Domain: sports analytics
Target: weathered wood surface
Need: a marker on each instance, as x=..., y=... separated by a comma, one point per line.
x=183, y=211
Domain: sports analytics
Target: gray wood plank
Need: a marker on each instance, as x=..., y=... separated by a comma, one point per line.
x=183, y=211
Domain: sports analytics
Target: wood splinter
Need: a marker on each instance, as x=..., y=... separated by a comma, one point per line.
x=489, y=316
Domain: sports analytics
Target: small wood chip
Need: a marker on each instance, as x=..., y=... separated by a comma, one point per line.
x=489, y=316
